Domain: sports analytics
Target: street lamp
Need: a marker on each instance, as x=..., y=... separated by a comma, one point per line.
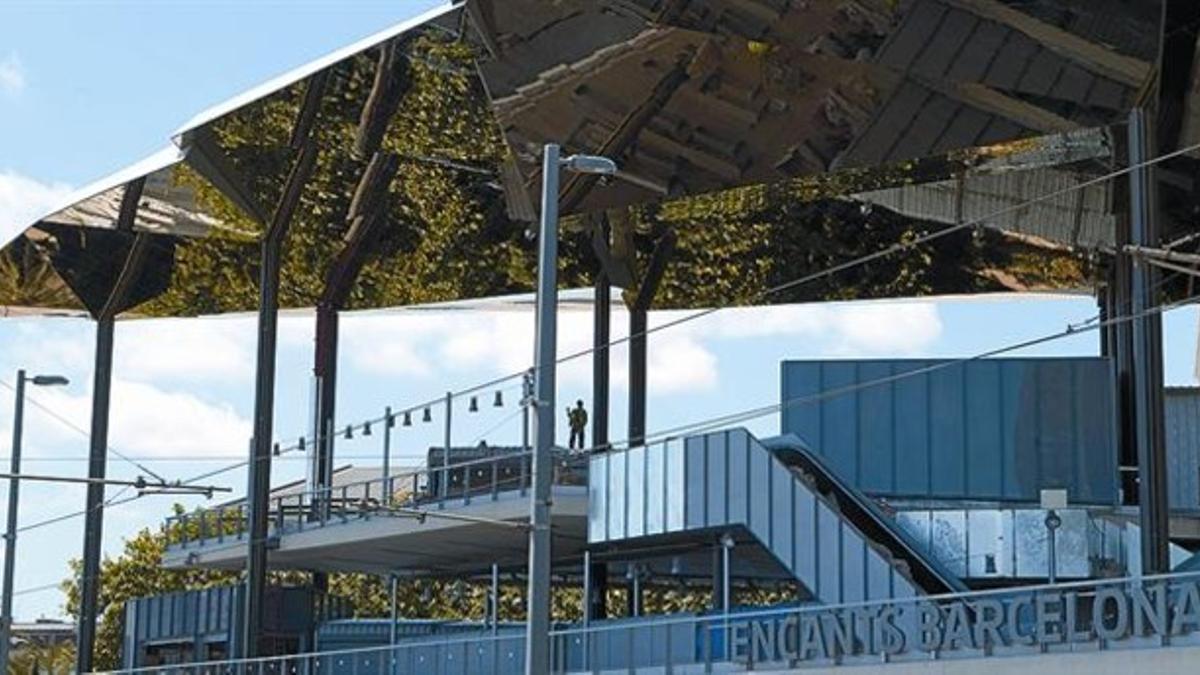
x=10, y=535
x=537, y=633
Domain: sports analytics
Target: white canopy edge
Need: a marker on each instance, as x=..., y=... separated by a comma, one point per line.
x=162, y=159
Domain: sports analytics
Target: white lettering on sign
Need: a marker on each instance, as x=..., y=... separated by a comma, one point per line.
x=1110, y=613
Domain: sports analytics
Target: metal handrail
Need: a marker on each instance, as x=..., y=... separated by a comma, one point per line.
x=562, y=637
x=424, y=486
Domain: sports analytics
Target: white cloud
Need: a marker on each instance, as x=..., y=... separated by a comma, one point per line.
x=22, y=199
x=146, y=420
x=191, y=349
x=852, y=328
x=887, y=328
x=681, y=357
x=12, y=75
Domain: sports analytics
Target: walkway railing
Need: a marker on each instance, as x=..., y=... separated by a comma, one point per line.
x=406, y=494
x=1090, y=616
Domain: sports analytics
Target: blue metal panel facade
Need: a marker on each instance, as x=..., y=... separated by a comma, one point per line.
x=1182, y=416
x=998, y=429
x=729, y=478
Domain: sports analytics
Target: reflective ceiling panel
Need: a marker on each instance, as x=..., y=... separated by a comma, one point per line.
x=696, y=95
x=767, y=139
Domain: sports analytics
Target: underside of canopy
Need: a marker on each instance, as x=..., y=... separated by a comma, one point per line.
x=767, y=139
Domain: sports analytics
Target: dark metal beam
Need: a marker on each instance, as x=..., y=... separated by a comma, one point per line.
x=93, y=528
x=638, y=339
x=365, y=214
x=389, y=87
x=626, y=133
x=1147, y=351
x=259, y=478
x=1179, y=31
x=367, y=218
x=601, y=334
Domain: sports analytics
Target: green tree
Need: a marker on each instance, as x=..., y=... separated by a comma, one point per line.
x=34, y=658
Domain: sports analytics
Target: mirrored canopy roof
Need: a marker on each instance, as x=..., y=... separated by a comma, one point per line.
x=766, y=139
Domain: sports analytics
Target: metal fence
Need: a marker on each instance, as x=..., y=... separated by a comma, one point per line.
x=1091, y=616
x=436, y=487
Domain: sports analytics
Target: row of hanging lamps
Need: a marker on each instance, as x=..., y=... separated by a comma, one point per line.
x=390, y=420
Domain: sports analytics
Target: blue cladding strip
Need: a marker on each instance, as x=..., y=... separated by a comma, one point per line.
x=797, y=508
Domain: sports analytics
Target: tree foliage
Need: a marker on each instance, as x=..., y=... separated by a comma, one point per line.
x=34, y=658
x=448, y=235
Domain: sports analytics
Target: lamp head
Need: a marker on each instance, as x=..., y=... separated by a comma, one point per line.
x=590, y=164
x=49, y=380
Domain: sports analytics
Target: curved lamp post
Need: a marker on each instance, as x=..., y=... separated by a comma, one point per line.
x=10, y=534
x=537, y=631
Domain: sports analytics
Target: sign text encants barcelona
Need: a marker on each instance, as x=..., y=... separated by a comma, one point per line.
x=1105, y=613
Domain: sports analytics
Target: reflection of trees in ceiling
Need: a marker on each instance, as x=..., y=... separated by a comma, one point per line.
x=757, y=129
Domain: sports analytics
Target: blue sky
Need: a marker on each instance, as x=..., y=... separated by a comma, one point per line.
x=86, y=88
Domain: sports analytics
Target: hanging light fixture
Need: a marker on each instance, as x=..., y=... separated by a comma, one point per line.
x=349, y=432
x=300, y=444
x=391, y=420
x=499, y=402
x=275, y=450
x=474, y=406
x=366, y=428
x=428, y=416
x=407, y=418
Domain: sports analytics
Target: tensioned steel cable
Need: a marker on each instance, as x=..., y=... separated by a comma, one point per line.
x=700, y=426
x=710, y=423
x=47, y=410
x=803, y=280
x=815, y=276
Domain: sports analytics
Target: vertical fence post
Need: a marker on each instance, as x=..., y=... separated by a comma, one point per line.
x=388, y=421
x=445, y=491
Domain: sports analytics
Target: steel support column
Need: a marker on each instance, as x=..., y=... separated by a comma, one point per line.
x=259, y=479
x=638, y=323
x=93, y=529
x=325, y=353
x=638, y=338
x=597, y=597
x=10, y=532
x=537, y=633
x=259, y=470
x=1147, y=352
x=601, y=322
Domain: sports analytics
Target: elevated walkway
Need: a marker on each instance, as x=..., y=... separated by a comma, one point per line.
x=825, y=534
x=456, y=519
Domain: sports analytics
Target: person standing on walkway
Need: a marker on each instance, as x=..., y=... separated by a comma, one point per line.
x=577, y=418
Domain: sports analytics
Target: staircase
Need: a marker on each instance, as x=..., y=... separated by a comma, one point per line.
x=829, y=537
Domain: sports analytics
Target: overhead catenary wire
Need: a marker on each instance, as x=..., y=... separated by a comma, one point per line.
x=700, y=426
x=893, y=249
x=53, y=414
x=709, y=423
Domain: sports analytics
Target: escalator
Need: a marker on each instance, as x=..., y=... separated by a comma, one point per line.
x=931, y=576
